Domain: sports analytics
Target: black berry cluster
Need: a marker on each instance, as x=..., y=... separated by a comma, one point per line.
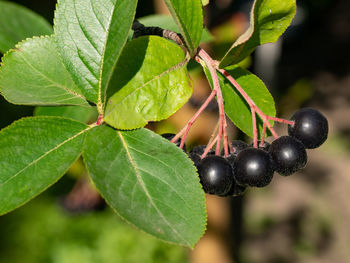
x=254, y=167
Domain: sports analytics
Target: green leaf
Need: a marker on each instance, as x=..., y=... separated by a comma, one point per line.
x=18, y=23
x=235, y=106
x=189, y=17
x=90, y=36
x=78, y=113
x=149, y=181
x=33, y=74
x=34, y=154
x=152, y=83
x=268, y=20
x=166, y=22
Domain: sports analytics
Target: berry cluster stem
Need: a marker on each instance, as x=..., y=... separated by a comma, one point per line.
x=253, y=107
x=189, y=124
x=222, y=134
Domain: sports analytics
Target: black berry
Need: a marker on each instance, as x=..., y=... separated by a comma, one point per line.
x=253, y=167
x=289, y=155
x=216, y=175
x=310, y=127
x=238, y=146
x=169, y=136
x=196, y=153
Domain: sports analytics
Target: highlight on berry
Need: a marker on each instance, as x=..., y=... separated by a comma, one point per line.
x=240, y=165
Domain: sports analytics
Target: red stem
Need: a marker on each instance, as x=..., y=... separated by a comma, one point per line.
x=249, y=101
x=263, y=135
x=255, y=130
x=211, y=64
x=99, y=120
x=209, y=146
x=188, y=126
x=280, y=120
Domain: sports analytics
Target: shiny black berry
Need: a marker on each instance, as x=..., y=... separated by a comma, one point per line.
x=169, y=136
x=253, y=167
x=289, y=155
x=310, y=127
x=238, y=146
x=196, y=153
x=216, y=175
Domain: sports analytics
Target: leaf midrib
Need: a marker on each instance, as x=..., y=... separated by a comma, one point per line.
x=173, y=68
x=143, y=186
x=44, y=155
x=50, y=80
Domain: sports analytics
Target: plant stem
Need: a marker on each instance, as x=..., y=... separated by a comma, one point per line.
x=211, y=64
x=186, y=129
x=280, y=120
x=250, y=102
x=209, y=146
x=99, y=120
x=263, y=135
x=255, y=130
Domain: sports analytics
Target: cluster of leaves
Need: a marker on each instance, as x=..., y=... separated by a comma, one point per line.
x=88, y=65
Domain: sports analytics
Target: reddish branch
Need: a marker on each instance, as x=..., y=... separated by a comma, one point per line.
x=213, y=68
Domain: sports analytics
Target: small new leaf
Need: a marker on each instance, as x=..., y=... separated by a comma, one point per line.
x=268, y=20
x=149, y=181
x=151, y=83
x=34, y=153
x=33, y=74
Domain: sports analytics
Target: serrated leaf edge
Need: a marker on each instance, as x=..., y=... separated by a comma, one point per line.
x=190, y=45
x=143, y=231
x=17, y=49
x=169, y=70
x=59, y=177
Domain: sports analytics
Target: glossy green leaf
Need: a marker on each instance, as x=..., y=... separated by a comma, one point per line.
x=167, y=22
x=18, y=23
x=90, y=36
x=235, y=106
x=149, y=181
x=151, y=81
x=34, y=154
x=189, y=17
x=268, y=20
x=79, y=113
x=33, y=74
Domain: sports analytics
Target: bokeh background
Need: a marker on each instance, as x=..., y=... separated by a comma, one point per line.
x=302, y=218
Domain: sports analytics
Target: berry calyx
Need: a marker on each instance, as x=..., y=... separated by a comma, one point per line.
x=310, y=127
x=253, y=167
x=216, y=175
x=265, y=145
x=238, y=146
x=289, y=155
